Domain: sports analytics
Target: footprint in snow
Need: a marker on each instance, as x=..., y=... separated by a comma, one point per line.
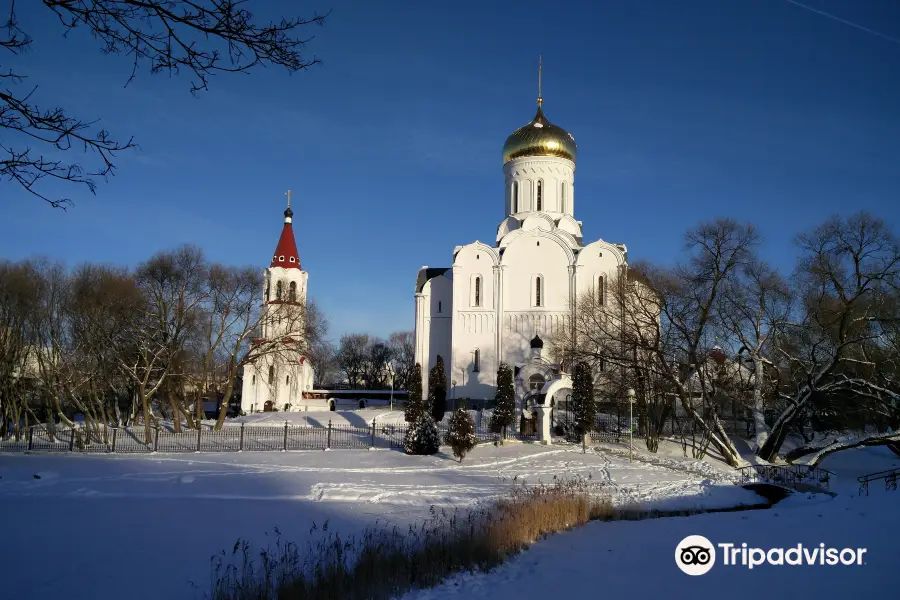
x=187, y=479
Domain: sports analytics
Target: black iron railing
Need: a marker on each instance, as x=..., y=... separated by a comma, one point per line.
x=786, y=475
x=889, y=477
x=231, y=438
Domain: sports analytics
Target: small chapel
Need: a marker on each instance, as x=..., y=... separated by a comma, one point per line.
x=499, y=301
x=281, y=373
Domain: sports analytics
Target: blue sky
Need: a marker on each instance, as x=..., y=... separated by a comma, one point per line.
x=683, y=110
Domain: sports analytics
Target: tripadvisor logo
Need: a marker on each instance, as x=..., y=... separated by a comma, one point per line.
x=696, y=555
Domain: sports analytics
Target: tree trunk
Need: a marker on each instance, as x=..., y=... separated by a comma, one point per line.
x=759, y=416
x=173, y=403
x=145, y=406
x=223, y=410
x=718, y=438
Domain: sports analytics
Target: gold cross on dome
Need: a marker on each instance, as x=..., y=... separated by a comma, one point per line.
x=288, y=194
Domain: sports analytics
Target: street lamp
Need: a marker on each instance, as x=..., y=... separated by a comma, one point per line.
x=453, y=383
x=630, y=394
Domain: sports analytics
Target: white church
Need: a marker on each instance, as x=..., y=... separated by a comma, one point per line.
x=279, y=377
x=499, y=301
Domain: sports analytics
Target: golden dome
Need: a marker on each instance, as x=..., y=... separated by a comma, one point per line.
x=539, y=138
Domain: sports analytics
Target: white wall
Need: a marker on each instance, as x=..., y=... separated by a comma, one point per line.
x=527, y=171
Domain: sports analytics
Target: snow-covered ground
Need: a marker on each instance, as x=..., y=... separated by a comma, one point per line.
x=79, y=526
x=637, y=559
x=146, y=526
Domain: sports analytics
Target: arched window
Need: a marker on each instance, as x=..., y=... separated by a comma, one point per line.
x=271, y=375
x=601, y=290
x=278, y=289
x=292, y=291
x=268, y=286
x=515, y=197
x=536, y=382
x=538, y=284
x=476, y=362
x=540, y=194
x=562, y=196
x=478, y=291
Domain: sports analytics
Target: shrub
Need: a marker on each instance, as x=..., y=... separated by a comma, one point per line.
x=422, y=437
x=461, y=435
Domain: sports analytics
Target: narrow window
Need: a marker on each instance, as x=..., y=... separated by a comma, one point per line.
x=478, y=291
x=540, y=195
x=253, y=380
x=271, y=375
x=268, y=286
x=562, y=195
x=515, y=197
x=292, y=292
x=601, y=290
x=278, y=287
x=439, y=306
x=537, y=291
x=477, y=363
x=287, y=380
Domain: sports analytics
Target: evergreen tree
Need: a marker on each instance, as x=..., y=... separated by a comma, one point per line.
x=437, y=390
x=414, y=405
x=505, y=408
x=461, y=435
x=583, y=399
x=422, y=437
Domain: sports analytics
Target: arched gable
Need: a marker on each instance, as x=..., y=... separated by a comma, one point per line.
x=476, y=251
x=538, y=221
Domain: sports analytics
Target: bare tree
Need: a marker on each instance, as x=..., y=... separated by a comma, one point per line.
x=375, y=367
x=753, y=310
x=19, y=289
x=204, y=38
x=845, y=281
x=664, y=330
x=403, y=352
x=352, y=356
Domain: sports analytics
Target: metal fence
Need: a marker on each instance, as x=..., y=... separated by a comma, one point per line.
x=786, y=475
x=232, y=438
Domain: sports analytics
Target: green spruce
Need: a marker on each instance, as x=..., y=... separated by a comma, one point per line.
x=583, y=405
x=461, y=436
x=437, y=390
x=505, y=407
x=414, y=405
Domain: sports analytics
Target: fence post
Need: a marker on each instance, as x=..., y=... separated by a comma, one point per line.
x=156, y=440
x=328, y=443
x=241, y=446
x=31, y=437
x=199, y=432
x=284, y=448
x=373, y=433
x=115, y=431
x=72, y=440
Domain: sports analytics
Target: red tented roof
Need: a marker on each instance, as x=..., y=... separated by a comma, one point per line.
x=286, y=255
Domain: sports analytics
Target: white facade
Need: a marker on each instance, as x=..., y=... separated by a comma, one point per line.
x=494, y=299
x=277, y=379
